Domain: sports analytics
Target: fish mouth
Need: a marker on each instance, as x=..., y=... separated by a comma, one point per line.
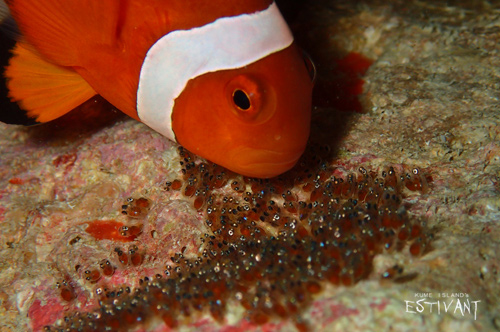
x=261, y=163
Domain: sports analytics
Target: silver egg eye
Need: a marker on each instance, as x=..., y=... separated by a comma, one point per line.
x=311, y=68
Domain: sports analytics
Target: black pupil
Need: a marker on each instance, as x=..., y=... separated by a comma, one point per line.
x=241, y=100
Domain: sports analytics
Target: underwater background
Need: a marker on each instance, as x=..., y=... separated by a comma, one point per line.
x=396, y=199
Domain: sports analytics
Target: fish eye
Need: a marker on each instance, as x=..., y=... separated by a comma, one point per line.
x=246, y=95
x=241, y=100
x=250, y=98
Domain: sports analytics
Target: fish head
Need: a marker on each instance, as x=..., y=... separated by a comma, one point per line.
x=253, y=120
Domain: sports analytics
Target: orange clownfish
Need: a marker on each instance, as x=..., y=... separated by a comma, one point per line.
x=223, y=78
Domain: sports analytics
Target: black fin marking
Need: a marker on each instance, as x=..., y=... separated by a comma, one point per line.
x=10, y=112
x=4, y=10
x=9, y=28
x=8, y=25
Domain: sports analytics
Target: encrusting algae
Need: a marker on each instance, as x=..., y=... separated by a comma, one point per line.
x=273, y=244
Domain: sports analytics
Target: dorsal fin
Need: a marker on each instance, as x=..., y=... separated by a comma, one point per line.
x=82, y=35
x=59, y=28
x=44, y=90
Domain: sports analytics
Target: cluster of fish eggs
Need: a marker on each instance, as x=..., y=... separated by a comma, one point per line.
x=273, y=244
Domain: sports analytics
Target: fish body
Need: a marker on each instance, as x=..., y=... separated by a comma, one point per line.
x=223, y=78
